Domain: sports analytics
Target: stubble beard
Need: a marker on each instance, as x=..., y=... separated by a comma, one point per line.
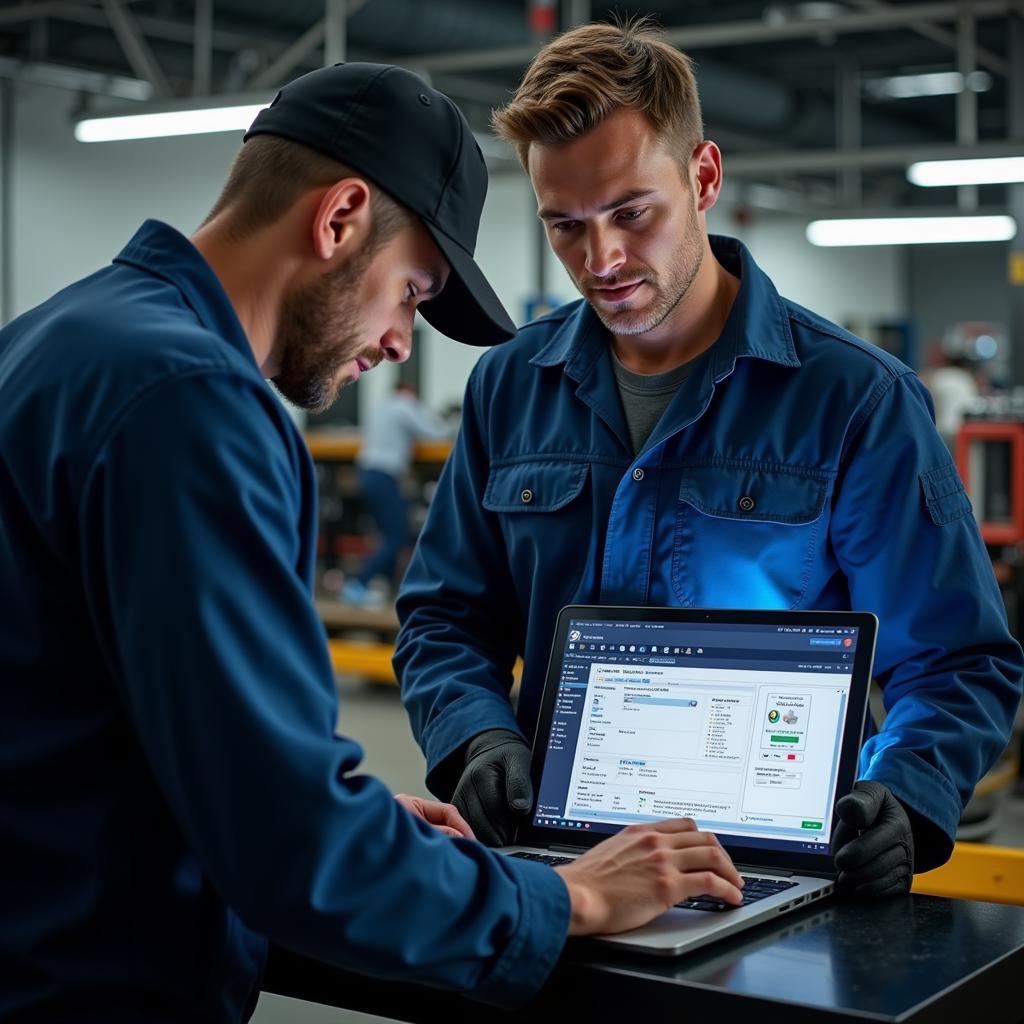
x=321, y=330
x=624, y=320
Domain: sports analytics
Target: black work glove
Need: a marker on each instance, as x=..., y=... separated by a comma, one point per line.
x=495, y=789
x=874, y=844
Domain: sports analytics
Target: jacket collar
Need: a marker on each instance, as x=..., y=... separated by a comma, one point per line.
x=159, y=249
x=757, y=326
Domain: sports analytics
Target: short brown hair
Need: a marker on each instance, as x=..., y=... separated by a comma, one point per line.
x=270, y=174
x=581, y=77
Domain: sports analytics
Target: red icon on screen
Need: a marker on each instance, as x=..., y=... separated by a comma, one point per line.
x=848, y=642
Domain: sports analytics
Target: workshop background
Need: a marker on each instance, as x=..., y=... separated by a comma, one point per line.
x=819, y=108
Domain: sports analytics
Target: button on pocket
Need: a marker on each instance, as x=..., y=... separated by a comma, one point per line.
x=528, y=487
x=746, y=503
x=638, y=474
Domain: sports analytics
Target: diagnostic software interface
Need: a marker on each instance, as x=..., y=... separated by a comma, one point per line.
x=737, y=726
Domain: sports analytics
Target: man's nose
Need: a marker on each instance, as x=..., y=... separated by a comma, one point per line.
x=604, y=253
x=396, y=345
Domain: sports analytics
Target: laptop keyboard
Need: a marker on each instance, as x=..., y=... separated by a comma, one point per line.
x=543, y=858
x=754, y=888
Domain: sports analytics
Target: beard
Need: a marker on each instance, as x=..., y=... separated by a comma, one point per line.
x=321, y=330
x=669, y=291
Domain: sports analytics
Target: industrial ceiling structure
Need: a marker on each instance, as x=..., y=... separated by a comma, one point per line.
x=810, y=101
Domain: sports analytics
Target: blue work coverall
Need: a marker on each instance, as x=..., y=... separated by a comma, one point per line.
x=797, y=467
x=171, y=788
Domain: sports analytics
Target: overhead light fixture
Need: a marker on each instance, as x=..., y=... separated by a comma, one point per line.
x=933, y=83
x=911, y=230
x=62, y=76
x=191, y=117
x=993, y=170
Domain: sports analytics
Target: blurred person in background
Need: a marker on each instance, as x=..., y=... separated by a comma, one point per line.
x=954, y=388
x=395, y=424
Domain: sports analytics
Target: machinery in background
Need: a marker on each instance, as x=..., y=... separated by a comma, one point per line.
x=989, y=452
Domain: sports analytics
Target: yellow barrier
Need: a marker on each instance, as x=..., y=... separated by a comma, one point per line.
x=364, y=659
x=368, y=660
x=977, y=872
x=333, y=447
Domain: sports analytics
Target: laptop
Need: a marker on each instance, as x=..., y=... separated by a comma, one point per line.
x=749, y=722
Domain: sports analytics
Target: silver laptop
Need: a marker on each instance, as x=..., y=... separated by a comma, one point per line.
x=749, y=722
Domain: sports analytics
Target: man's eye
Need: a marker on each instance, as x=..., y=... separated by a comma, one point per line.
x=561, y=227
x=633, y=214
x=411, y=291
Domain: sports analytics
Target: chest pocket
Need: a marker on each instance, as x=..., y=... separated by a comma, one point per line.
x=747, y=537
x=545, y=521
x=534, y=486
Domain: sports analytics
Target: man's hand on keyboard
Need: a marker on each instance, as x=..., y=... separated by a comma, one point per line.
x=632, y=877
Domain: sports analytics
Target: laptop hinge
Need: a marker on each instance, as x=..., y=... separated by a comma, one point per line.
x=556, y=848
x=764, y=867
x=756, y=868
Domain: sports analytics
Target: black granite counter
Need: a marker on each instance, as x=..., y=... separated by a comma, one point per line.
x=921, y=959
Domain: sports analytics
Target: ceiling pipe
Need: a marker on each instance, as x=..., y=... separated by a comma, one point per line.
x=828, y=161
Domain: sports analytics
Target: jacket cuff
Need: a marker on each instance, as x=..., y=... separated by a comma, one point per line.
x=463, y=719
x=926, y=792
x=531, y=956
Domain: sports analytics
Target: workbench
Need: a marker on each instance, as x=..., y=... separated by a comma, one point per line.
x=917, y=959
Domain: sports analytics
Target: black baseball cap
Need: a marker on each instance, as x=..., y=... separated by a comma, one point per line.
x=413, y=142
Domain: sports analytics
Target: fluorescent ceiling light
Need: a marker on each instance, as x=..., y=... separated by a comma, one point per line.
x=910, y=230
x=981, y=171
x=167, y=122
x=935, y=83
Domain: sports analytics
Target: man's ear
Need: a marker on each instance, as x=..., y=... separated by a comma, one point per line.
x=706, y=174
x=341, y=221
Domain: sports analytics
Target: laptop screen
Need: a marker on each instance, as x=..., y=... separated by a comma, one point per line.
x=738, y=725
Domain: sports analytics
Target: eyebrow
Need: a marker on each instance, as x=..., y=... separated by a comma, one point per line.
x=629, y=197
x=434, y=281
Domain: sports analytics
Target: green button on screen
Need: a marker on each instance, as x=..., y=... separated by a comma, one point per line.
x=811, y=824
x=785, y=739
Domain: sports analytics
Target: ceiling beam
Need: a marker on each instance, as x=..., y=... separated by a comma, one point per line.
x=60, y=76
x=277, y=70
x=155, y=28
x=34, y=11
x=905, y=16
x=986, y=58
x=735, y=33
x=317, y=36
x=135, y=47
x=202, y=49
x=335, y=31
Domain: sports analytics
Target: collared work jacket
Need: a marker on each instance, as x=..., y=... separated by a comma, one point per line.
x=797, y=467
x=172, y=791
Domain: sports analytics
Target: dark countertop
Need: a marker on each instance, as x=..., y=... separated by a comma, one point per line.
x=920, y=959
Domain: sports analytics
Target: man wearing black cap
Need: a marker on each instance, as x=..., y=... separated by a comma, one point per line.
x=171, y=789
